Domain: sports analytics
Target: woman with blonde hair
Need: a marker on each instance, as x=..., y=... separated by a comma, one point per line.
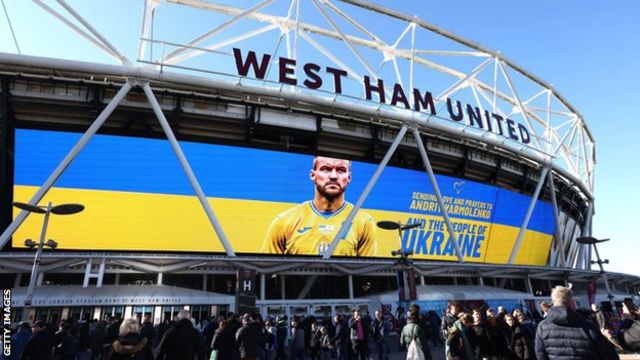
x=130, y=344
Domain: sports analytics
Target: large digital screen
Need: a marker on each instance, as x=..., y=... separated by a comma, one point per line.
x=138, y=198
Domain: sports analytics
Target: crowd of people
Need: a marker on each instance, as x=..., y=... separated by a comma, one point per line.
x=559, y=332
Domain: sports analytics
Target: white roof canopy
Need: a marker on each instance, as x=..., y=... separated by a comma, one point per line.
x=461, y=292
x=109, y=295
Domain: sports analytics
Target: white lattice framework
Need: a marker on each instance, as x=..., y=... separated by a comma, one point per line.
x=334, y=35
x=362, y=39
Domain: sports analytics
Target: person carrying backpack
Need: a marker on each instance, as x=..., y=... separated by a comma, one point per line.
x=413, y=332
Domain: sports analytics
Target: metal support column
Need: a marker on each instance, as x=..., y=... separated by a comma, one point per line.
x=589, y=225
x=8, y=232
x=187, y=169
x=556, y=216
x=17, y=280
x=205, y=282
x=307, y=287
x=35, y=273
x=283, y=293
x=263, y=288
x=159, y=281
x=527, y=217
x=436, y=190
x=583, y=261
x=346, y=225
x=606, y=281
x=528, y=285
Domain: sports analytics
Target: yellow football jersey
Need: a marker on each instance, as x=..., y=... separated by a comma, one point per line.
x=305, y=230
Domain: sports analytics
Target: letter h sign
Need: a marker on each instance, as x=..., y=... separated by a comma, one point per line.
x=245, y=291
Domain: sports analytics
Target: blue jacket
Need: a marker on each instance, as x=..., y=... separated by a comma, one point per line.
x=19, y=341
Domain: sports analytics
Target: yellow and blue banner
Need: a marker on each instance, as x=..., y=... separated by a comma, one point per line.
x=138, y=198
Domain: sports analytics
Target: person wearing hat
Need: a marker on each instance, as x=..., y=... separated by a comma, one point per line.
x=40, y=345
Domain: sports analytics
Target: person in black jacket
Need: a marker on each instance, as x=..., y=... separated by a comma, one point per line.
x=248, y=339
x=281, y=325
x=96, y=336
x=450, y=318
x=517, y=339
x=482, y=347
x=148, y=331
x=498, y=346
x=165, y=325
x=209, y=331
x=223, y=341
x=359, y=336
x=182, y=341
x=130, y=344
x=563, y=334
x=67, y=342
x=340, y=339
x=40, y=345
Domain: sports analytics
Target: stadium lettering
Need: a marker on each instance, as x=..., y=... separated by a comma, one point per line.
x=429, y=242
x=431, y=238
x=422, y=100
x=287, y=70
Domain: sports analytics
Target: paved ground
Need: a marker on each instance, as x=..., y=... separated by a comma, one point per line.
x=437, y=353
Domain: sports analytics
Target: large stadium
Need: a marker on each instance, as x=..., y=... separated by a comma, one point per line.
x=463, y=175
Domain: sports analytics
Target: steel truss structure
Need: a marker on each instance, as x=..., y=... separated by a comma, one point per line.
x=96, y=264
x=421, y=56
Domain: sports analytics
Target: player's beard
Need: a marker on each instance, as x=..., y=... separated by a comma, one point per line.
x=331, y=196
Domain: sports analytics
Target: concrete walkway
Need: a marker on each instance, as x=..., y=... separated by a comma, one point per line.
x=437, y=353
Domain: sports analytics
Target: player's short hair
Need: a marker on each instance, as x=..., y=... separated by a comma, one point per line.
x=561, y=296
x=315, y=161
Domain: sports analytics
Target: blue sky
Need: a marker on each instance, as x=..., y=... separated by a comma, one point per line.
x=587, y=49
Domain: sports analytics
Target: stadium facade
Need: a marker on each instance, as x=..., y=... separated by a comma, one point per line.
x=184, y=156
